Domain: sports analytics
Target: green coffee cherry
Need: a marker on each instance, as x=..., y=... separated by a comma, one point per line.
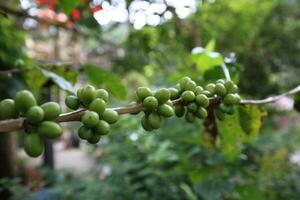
x=165, y=110
x=8, y=109
x=35, y=115
x=145, y=124
x=198, y=90
x=226, y=108
x=189, y=117
x=90, y=119
x=98, y=105
x=154, y=120
x=220, y=89
x=190, y=85
x=192, y=107
x=84, y=132
x=202, y=100
x=169, y=102
x=174, y=93
x=150, y=103
x=202, y=113
x=33, y=145
x=220, y=115
x=79, y=92
x=207, y=93
x=94, y=139
x=179, y=111
x=162, y=95
x=183, y=82
x=87, y=94
x=72, y=102
x=211, y=87
x=49, y=129
x=230, y=99
x=24, y=100
x=142, y=93
x=51, y=110
x=102, y=94
x=110, y=116
x=102, y=128
x=231, y=87
x=188, y=96
x=220, y=81
x=237, y=98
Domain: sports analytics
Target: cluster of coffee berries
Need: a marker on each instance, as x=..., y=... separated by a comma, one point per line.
x=158, y=105
x=97, y=118
x=196, y=99
x=39, y=124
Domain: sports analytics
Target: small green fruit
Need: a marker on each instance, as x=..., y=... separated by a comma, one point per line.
x=102, y=128
x=142, y=93
x=49, y=129
x=165, y=110
x=79, y=92
x=202, y=113
x=33, y=145
x=190, y=86
x=231, y=87
x=94, y=139
x=150, y=103
x=220, y=115
x=98, y=105
x=110, y=116
x=72, y=102
x=162, y=95
x=198, y=90
x=237, y=98
x=189, y=117
x=229, y=109
x=179, y=111
x=220, y=81
x=192, y=107
x=183, y=82
x=202, y=100
x=88, y=94
x=220, y=89
x=174, y=93
x=102, y=94
x=51, y=110
x=84, y=132
x=35, y=115
x=8, y=109
x=230, y=99
x=154, y=120
x=90, y=119
x=145, y=124
x=207, y=93
x=188, y=96
x=169, y=102
x=24, y=100
x=211, y=87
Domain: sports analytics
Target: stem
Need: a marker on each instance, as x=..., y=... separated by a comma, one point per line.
x=226, y=72
x=13, y=124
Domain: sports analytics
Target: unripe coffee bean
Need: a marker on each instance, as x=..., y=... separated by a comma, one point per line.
x=98, y=105
x=230, y=99
x=94, y=139
x=51, y=110
x=220, y=89
x=49, y=129
x=8, y=109
x=154, y=120
x=145, y=124
x=88, y=94
x=110, y=116
x=102, y=94
x=211, y=87
x=150, y=103
x=35, y=115
x=142, y=93
x=33, y=145
x=174, y=93
x=189, y=117
x=90, y=119
x=231, y=87
x=85, y=133
x=162, y=95
x=72, y=102
x=202, y=113
x=165, y=110
x=188, y=96
x=24, y=100
x=202, y=100
x=198, y=90
x=179, y=111
x=102, y=128
x=192, y=107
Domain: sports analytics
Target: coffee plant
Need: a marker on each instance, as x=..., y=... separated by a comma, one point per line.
x=186, y=99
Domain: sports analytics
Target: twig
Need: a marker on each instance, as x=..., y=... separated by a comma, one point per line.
x=13, y=124
x=226, y=72
x=272, y=99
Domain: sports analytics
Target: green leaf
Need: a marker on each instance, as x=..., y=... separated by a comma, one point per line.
x=297, y=102
x=67, y=6
x=35, y=79
x=59, y=81
x=101, y=77
x=250, y=192
x=239, y=128
x=250, y=119
x=206, y=60
x=211, y=45
x=188, y=191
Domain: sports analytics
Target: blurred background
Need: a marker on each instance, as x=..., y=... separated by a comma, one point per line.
x=51, y=46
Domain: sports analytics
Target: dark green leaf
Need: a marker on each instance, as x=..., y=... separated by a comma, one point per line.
x=101, y=77
x=59, y=81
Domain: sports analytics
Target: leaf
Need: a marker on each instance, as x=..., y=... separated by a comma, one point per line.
x=239, y=128
x=67, y=6
x=100, y=77
x=35, y=79
x=250, y=192
x=232, y=136
x=206, y=60
x=59, y=81
x=188, y=191
x=211, y=45
x=250, y=119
